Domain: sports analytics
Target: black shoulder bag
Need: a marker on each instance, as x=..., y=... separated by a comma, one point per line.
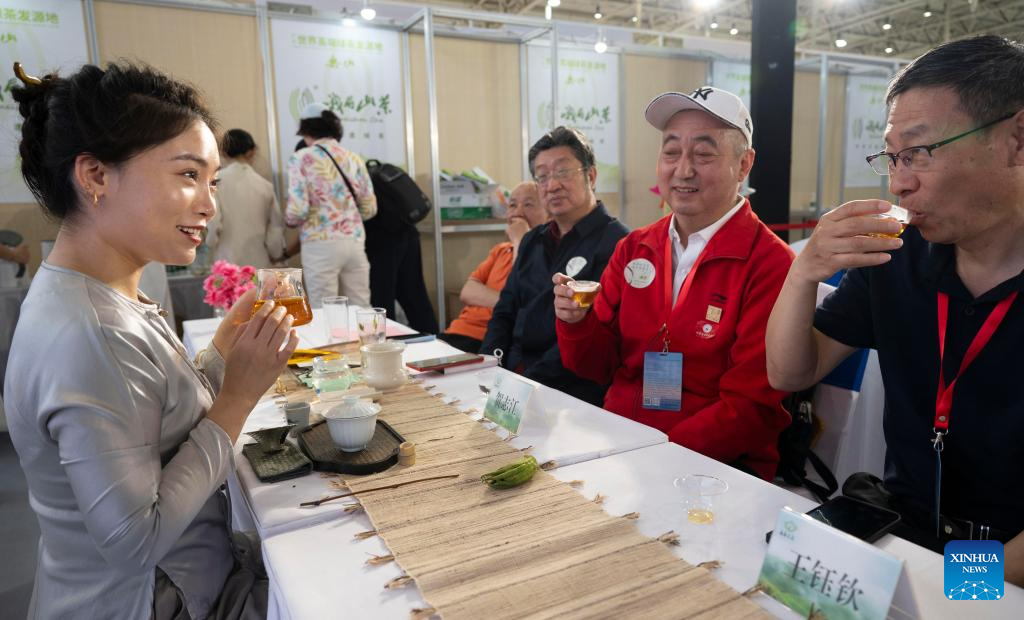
x=795, y=448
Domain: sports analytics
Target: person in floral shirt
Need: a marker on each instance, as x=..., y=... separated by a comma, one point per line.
x=330, y=207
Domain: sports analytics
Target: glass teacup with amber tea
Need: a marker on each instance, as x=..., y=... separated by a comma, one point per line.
x=899, y=214
x=284, y=288
x=583, y=292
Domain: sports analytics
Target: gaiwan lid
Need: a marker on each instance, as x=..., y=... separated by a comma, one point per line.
x=352, y=407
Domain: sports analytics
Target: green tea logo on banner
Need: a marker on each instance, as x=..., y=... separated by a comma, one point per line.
x=356, y=72
x=45, y=36
x=865, y=113
x=588, y=99
x=733, y=77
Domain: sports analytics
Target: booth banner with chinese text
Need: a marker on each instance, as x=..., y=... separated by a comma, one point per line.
x=588, y=99
x=865, y=126
x=733, y=77
x=46, y=36
x=356, y=72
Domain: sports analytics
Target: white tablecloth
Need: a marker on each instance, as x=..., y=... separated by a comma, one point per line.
x=641, y=481
x=319, y=570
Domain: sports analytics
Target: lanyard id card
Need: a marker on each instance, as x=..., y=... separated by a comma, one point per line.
x=663, y=380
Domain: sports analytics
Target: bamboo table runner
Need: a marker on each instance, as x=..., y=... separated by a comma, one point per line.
x=540, y=550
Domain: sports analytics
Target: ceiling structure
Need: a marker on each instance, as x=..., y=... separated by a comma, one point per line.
x=915, y=25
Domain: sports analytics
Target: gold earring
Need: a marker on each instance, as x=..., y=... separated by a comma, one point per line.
x=95, y=199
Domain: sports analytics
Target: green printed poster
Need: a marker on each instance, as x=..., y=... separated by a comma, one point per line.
x=588, y=99
x=355, y=71
x=45, y=36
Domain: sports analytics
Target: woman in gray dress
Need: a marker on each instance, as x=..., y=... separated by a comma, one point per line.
x=124, y=441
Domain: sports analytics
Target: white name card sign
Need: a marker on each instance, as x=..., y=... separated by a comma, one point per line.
x=507, y=401
x=819, y=571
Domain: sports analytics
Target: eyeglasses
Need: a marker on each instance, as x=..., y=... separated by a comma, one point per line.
x=558, y=175
x=918, y=158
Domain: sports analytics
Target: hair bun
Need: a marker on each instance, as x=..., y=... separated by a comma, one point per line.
x=32, y=90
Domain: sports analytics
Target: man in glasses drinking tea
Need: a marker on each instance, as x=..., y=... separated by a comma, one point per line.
x=938, y=302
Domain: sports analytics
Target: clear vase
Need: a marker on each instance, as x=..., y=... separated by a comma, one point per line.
x=219, y=312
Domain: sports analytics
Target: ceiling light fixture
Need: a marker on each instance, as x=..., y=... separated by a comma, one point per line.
x=547, y=12
x=840, y=41
x=927, y=11
x=367, y=12
x=554, y=3
x=601, y=46
x=734, y=30
x=714, y=23
x=888, y=49
x=597, y=12
x=886, y=26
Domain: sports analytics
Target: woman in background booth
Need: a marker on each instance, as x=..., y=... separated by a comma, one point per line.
x=124, y=442
x=248, y=228
x=329, y=196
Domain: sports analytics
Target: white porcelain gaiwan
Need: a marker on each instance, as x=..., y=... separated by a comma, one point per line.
x=384, y=369
x=352, y=423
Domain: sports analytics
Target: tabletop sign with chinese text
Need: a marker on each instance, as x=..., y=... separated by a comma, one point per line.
x=819, y=571
x=506, y=403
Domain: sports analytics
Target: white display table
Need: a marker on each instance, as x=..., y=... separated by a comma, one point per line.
x=318, y=568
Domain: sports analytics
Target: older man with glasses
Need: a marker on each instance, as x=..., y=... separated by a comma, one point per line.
x=939, y=303
x=579, y=240
x=678, y=325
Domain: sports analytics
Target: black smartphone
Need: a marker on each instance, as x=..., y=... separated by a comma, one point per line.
x=861, y=519
x=414, y=337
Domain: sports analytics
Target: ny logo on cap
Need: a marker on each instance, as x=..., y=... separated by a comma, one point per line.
x=702, y=93
x=746, y=122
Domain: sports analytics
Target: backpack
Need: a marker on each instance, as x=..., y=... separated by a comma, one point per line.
x=399, y=199
x=795, y=448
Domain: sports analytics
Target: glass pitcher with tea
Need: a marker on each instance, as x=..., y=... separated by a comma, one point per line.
x=284, y=288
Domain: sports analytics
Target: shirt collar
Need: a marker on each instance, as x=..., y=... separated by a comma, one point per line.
x=592, y=221
x=704, y=234
x=940, y=269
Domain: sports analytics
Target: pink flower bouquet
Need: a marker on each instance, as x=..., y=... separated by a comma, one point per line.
x=227, y=282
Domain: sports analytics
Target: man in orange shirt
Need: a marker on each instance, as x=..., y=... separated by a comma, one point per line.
x=481, y=290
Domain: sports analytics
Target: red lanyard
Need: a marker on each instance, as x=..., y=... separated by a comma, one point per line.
x=670, y=276
x=944, y=397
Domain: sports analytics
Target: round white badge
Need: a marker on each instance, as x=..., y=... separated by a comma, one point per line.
x=575, y=265
x=639, y=273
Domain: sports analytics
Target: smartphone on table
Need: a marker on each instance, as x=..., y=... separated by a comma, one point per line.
x=855, y=517
x=414, y=337
x=447, y=361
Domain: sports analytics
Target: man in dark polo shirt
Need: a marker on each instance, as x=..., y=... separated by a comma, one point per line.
x=942, y=296
x=578, y=241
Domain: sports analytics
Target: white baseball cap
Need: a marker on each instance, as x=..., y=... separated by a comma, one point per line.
x=719, y=103
x=313, y=110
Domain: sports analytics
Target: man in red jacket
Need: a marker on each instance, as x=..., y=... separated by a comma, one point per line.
x=679, y=323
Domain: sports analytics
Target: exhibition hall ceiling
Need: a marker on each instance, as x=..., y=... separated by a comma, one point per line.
x=900, y=28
